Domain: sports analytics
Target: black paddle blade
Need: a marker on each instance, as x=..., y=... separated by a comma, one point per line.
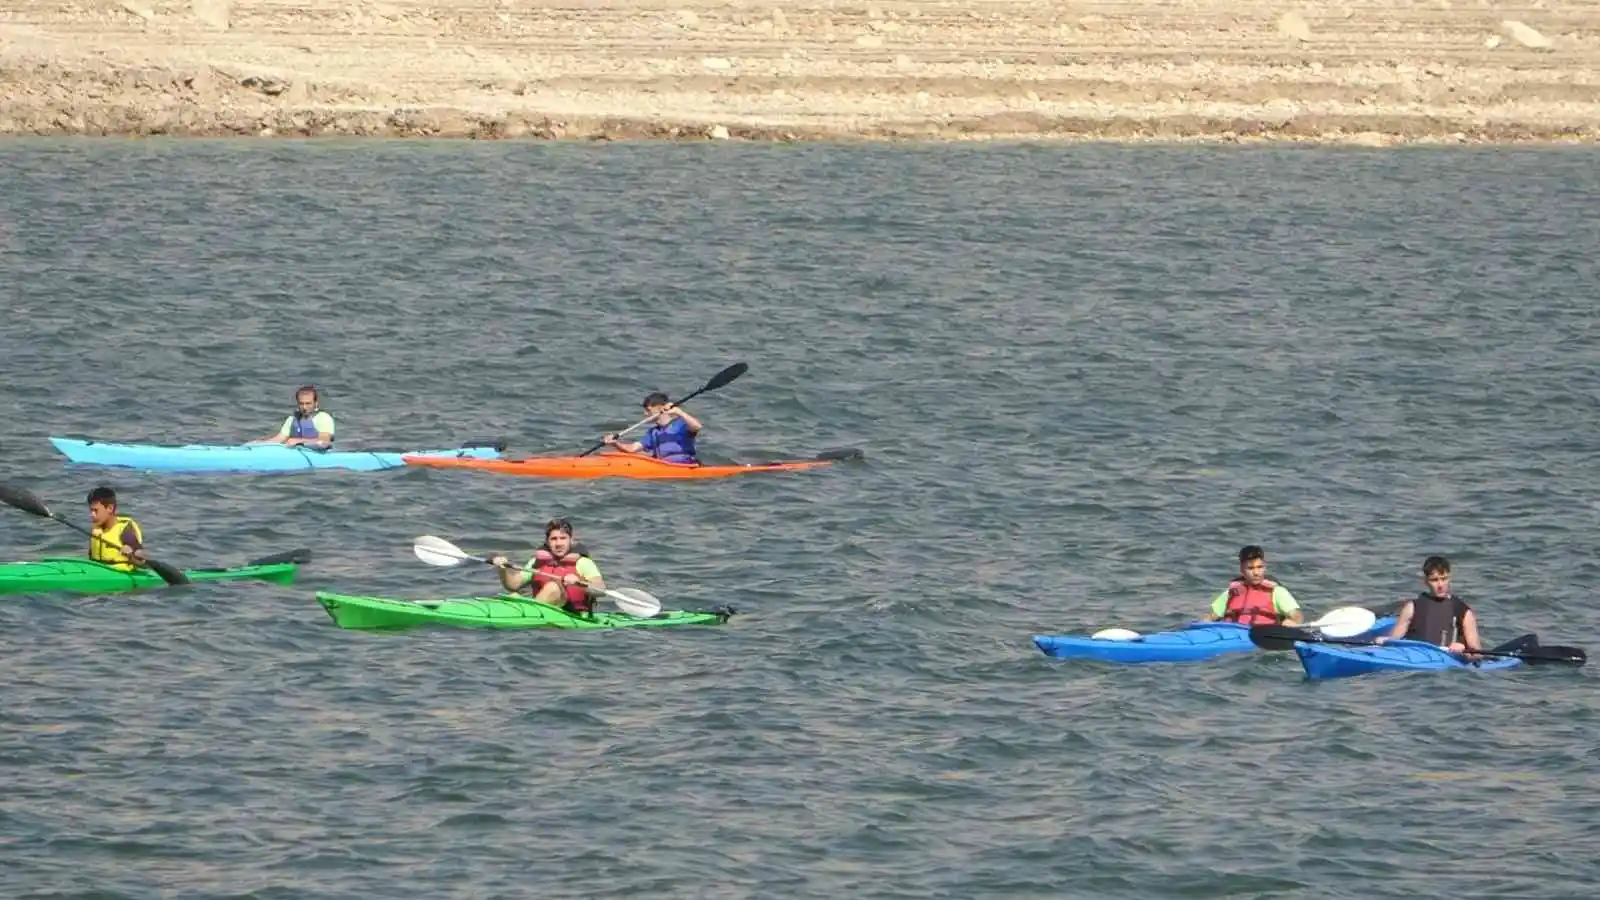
x=497, y=446
x=724, y=378
x=841, y=453
x=1517, y=645
x=1543, y=656
x=168, y=573
x=25, y=500
x=1280, y=637
x=299, y=557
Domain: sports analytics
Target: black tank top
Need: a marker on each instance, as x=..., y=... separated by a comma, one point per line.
x=1436, y=621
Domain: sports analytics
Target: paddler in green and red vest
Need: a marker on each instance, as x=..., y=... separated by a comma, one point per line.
x=1253, y=600
x=117, y=540
x=1437, y=615
x=567, y=577
x=309, y=423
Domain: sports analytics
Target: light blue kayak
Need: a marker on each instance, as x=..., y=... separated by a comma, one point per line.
x=248, y=457
x=1195, y=642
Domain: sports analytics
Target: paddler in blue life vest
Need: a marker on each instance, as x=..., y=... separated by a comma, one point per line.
x=1437, y=615
x=1253, y=600
x=567, y=577
x=117, y=540
x=309, y=423
x=670, y=439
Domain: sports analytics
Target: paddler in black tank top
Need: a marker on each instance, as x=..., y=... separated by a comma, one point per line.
x=1437, y=615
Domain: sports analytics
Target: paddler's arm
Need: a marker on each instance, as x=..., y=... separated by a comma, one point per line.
x=1219, y=605
x=278, y=438
x=1402, y=622
x=614, y=442
x=323, y=422
x=691, y=421
x=1469, y=642
x=1287, y=606
x=132, y=547
x=511, y=579
x=590, y=573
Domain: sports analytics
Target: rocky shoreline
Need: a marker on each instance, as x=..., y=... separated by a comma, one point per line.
x=1144, y=70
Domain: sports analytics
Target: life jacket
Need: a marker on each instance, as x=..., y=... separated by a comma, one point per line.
x=1439, y=622
x=107, y=548
x=305, y=427
x=1251, y=604
x=668, y=447
x=578, y=599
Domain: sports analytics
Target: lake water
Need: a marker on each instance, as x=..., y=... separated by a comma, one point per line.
x=1082, y=378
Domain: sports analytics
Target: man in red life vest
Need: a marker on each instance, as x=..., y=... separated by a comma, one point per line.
x=1253, y=600
x=565, y=574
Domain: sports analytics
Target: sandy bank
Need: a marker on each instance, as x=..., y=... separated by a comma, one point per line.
x=1445, y=70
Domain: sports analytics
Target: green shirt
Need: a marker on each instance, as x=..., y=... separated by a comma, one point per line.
x=1283, y=602
x=322, y=421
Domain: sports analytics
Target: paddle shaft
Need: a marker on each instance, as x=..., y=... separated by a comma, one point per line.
x=1532, y=654
x=1549, y=654
x=534, y=573
x=429, y=547
x=29, y=503
x=170, y=575
x=719, y=380
x=1320, y=623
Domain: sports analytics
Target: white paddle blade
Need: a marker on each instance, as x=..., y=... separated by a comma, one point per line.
x=436, y=551
x=1345, y=622
x=634, y=602
x=1115, y=634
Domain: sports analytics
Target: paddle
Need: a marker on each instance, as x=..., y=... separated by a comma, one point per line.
x=1345, y=621
x=436, y=551
x=720, y=380
x=299, y=557
x=1283, y=637
x=28, y=502
x=841, y=453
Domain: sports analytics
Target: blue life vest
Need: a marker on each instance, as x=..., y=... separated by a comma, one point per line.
x=304, y=428
x=666, y=446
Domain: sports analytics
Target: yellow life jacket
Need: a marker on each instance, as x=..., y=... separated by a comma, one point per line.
x=109, y=550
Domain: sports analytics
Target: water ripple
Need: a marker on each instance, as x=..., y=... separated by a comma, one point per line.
x=1083, y=377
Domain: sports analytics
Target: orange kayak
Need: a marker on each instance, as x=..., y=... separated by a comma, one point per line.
x=622, y=465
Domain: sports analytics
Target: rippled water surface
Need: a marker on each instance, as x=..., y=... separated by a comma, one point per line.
x=1082, y=378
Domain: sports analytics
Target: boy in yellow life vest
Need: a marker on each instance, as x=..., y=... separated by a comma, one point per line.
x=117, y=540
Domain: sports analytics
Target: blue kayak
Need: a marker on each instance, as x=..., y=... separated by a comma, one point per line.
x=1192, y=643
x=246, y=457
x=1323, y=661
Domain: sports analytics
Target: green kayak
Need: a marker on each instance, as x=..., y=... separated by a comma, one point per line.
x=85, y=576
x=501, y=611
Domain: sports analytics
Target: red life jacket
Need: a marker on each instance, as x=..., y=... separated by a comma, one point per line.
x=1251, y=604
x=546, y=562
